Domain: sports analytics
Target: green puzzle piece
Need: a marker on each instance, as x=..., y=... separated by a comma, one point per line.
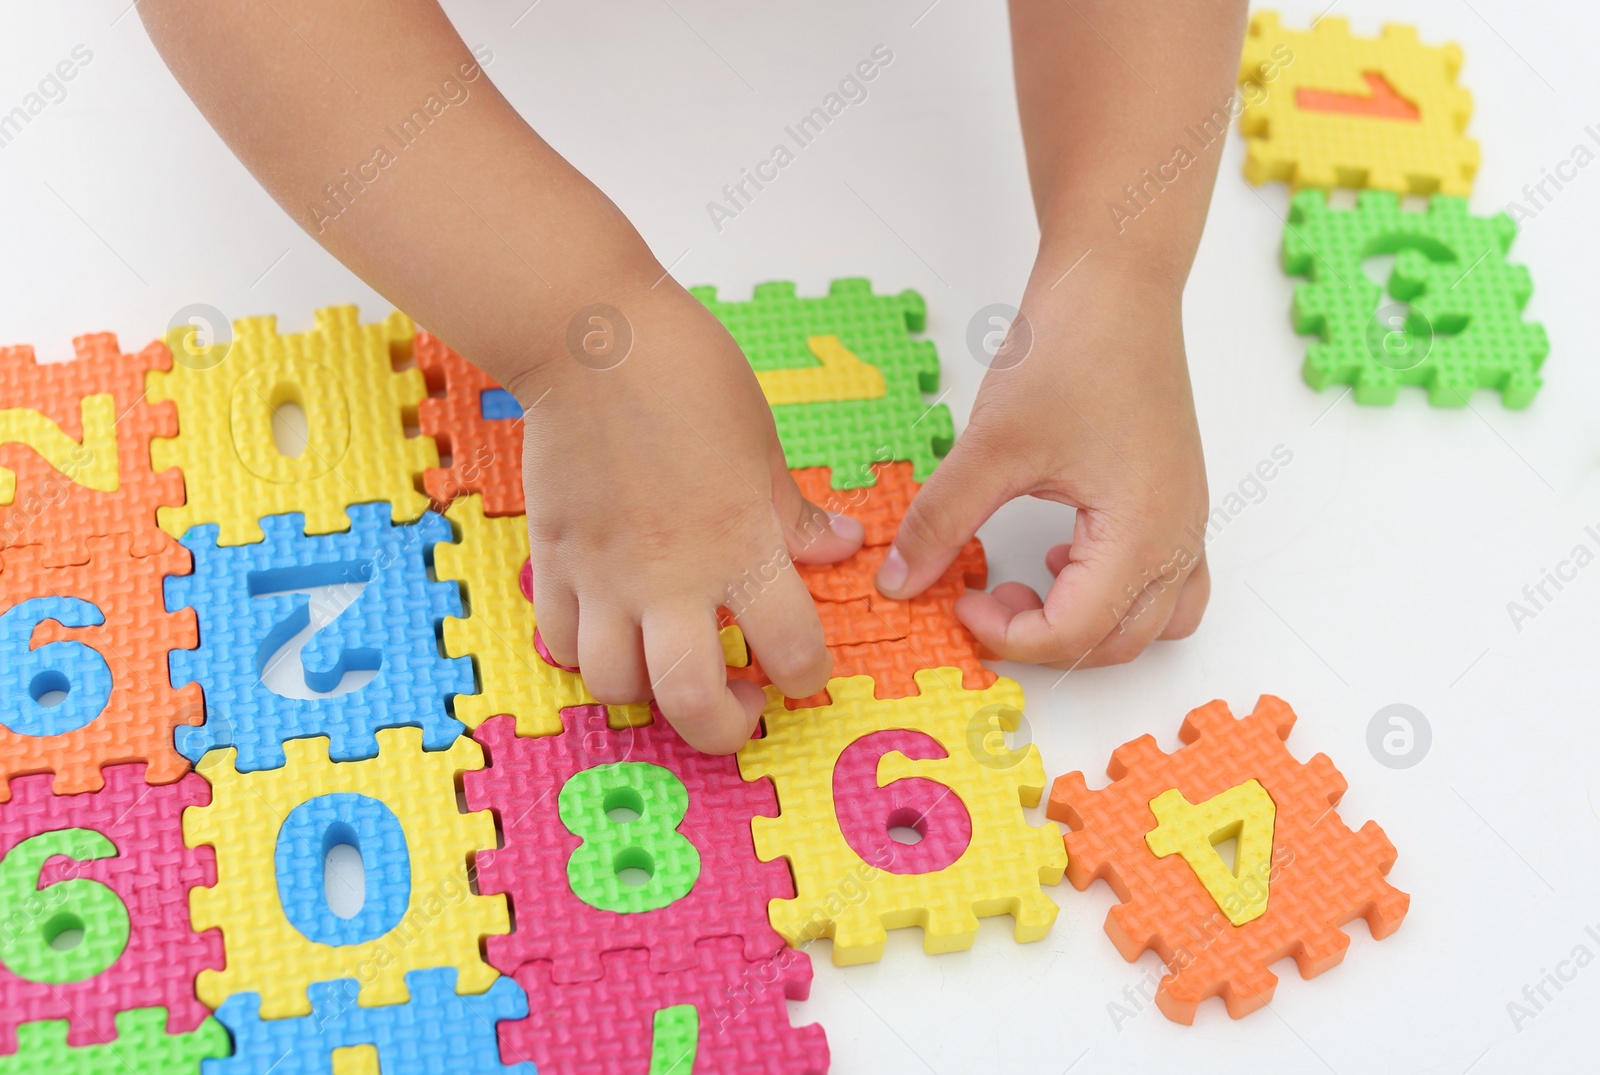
x=1457, y=323
x=850, y=435
x=142, y=1047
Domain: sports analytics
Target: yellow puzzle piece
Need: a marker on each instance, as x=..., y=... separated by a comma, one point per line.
x=840, y=895
x=357, y=407
x=442, y=922
x=1245, y=814
x=1323, y=109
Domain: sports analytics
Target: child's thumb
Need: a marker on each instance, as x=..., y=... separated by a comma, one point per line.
x=944, y=515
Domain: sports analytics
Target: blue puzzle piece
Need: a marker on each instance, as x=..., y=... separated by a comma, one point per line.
x=71, y=668
x=497, y=403
x=436, y=1032
x=391, y=629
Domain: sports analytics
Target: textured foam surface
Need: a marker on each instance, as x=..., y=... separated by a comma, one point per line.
x=247, y=613
x=1320, y=875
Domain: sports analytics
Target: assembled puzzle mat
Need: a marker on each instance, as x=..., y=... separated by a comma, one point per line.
x=550, y=884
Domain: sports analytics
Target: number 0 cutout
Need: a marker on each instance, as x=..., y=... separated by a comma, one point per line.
x=1244, y=813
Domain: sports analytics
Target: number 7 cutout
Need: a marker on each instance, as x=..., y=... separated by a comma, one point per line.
x=1244, y=813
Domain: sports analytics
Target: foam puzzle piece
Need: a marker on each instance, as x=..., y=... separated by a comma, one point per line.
x=485, y=452
x=847, y=435
x=99, y=632
x=1334, y=109
x=436, y=1032
x=524, y=784
x=1320, y=875
x=247, y=614
x=75, y=450
x=111, y=862
x=878, y=506
x=513, y=678
x=841, y=377
x=609, y=1026
x=1463, y=328
x=873, y=635
x=1006, y=858
x=443, y=922
x=142, y=1046
x=357, y=406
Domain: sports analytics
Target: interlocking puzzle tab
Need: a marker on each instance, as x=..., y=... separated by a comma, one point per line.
x=436, y=1032
x=485, y=450
x=75, y=450
x=1333, y=109
x=798, y=345
x=563, y=855
x=634, y=1019
x=357, y=407
x=399, y=810
x=248, y=611
x=141, y=1046
x=1317, y=877
x=825, y=823
x=98, y=633
x=112, y=864
x=1457, y=324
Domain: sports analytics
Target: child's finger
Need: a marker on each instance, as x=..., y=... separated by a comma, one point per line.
x=944, y=515
x=556, y=614
x=781, y=625
x=1191, y=604
x=813, y=535
x=611, y=656
x=1085, y=604
x=688, y=677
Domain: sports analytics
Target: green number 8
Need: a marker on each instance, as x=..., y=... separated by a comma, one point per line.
x=627, y=815
x=35, y=917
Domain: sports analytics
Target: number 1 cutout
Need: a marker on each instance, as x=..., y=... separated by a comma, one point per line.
x=1245, y=814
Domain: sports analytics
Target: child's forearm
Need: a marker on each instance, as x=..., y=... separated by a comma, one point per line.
x=1124, y=108
x=382, y=137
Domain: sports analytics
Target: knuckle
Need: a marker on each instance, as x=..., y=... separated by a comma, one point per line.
x=689, y=697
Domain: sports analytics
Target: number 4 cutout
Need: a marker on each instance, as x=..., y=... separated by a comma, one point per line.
x=1244, y=814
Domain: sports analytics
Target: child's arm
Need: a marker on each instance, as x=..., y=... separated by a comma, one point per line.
x=653, y=487
x=1099, y=413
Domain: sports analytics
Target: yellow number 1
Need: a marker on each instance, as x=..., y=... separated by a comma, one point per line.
x=1244, y=814
x=842, y=376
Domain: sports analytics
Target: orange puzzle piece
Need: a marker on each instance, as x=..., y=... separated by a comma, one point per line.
x=75, y=450
x=485, y=454
x=869, y=634
x=126, y=654
x=1318, y=877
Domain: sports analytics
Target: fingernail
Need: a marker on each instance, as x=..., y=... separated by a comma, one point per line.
x=845, y=527
x=892, y=575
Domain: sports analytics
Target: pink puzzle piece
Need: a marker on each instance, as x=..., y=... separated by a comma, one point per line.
x=868, y=812
x=522, y=785
x=608, y=1027
x=151, y=873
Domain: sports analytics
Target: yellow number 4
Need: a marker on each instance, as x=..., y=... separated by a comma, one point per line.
x=1244, y=814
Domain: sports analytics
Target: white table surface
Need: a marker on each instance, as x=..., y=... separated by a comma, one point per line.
x=1376, y=570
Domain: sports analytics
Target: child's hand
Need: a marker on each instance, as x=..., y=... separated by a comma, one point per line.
x=657, y=492
x=1098, y=415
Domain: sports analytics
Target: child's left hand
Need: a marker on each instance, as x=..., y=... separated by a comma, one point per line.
x=1097, y=414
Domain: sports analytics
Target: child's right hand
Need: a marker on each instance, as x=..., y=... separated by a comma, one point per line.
x=657, y=492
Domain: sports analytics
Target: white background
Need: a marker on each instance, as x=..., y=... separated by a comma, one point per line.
x=1376, y=570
